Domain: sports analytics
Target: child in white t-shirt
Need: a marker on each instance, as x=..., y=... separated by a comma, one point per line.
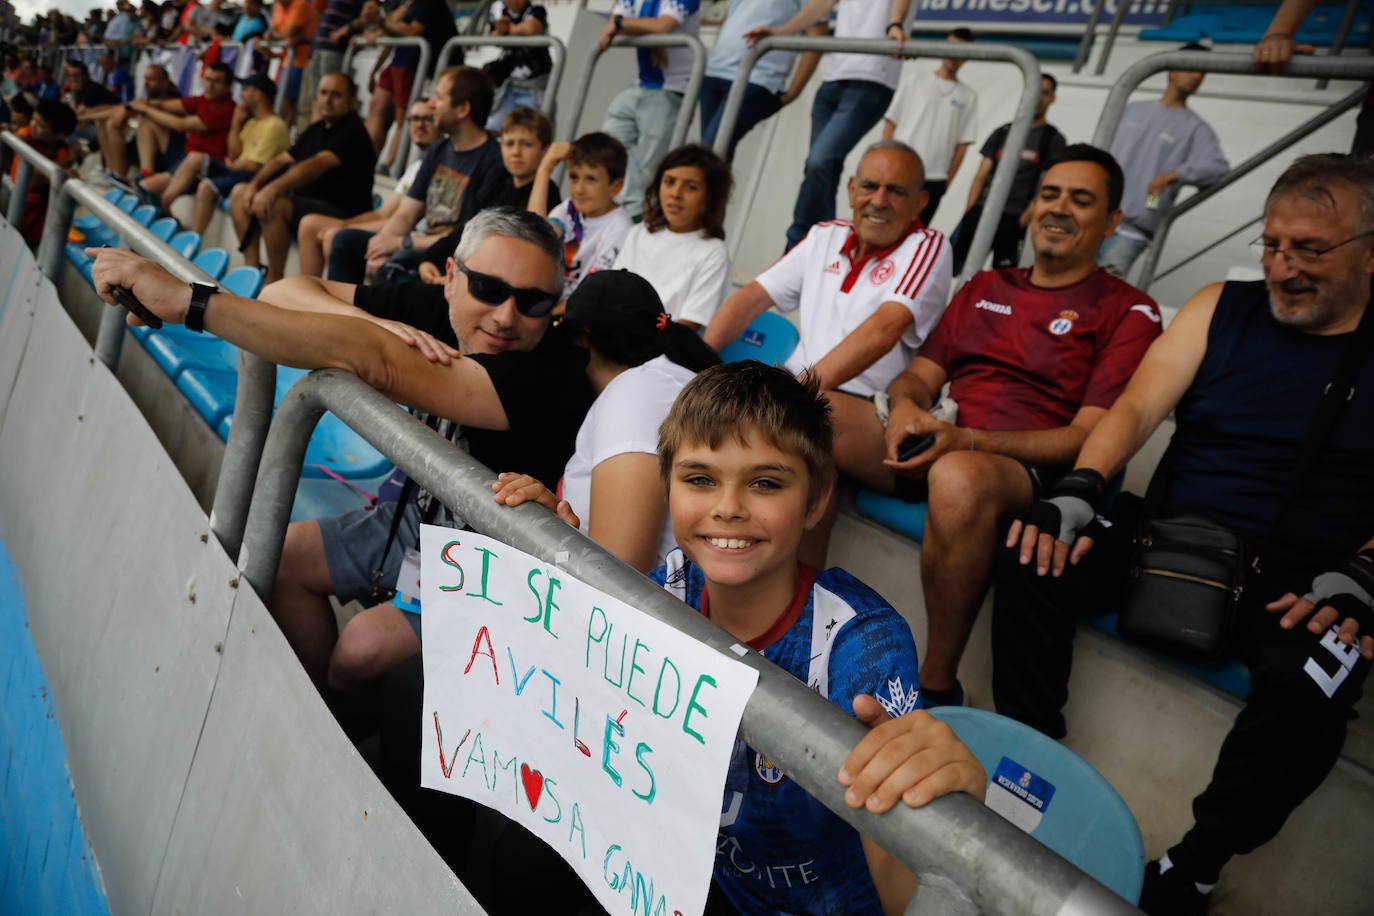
x=679, y=248
x=592, y=224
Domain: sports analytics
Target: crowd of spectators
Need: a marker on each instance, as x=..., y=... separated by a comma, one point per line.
x=1005, y=409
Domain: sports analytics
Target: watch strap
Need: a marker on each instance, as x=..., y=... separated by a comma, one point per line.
x=195, y=311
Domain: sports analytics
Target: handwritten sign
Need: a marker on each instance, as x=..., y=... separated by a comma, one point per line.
x=600, y=729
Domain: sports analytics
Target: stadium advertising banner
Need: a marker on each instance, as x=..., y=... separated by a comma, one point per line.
x=598, y=728
x=1033, y=12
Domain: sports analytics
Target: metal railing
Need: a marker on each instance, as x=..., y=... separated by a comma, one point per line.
x=398, y=164
x=1211, y=62
x=1004, y=172
x=54, y=225
x=558, y=53
x=968, y=858
x=689, y=94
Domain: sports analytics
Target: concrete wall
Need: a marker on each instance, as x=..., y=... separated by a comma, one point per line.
x=209, y=774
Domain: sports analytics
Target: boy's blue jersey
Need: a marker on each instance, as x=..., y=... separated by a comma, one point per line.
x=779, y=850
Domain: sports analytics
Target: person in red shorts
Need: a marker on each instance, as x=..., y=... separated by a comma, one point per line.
x=1034, y=357
x=390, y=88
x=204, y=120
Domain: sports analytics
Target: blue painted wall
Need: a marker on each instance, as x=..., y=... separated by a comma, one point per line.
x=46, y=865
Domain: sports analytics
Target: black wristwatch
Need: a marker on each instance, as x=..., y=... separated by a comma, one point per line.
x=618, y=22
x=195, y=312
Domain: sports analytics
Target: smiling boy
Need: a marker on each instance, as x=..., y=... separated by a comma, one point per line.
x=745, y=453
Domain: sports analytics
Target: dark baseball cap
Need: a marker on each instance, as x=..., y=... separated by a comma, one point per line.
x=261, y=82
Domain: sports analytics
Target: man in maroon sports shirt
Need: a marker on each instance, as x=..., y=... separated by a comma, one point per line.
x=1034, y=357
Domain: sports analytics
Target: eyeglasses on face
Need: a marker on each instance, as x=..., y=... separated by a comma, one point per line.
x=422, y=119
x=489, y=290
x=1298, y=254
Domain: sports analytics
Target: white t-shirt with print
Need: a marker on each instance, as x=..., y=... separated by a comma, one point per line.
x=602, y=237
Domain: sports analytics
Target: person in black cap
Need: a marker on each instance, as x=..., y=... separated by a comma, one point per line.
x=638, y=361
x=256, y=134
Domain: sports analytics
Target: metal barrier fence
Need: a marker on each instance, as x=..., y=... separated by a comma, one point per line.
x=398, y=165
x=968, y=859
x=1004, y=172
x=558, y=53
x=1211, y=62
x=689, y=94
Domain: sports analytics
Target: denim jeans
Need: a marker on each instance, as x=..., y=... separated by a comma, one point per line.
x=759, y=105
x=1119, y=252
x=348, y=256
x=512, y=98
x=643, y=120
x=843, y=112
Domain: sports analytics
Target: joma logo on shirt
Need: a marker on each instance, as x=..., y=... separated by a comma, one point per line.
x=997, y=307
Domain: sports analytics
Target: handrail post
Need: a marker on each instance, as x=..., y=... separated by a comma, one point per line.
x=19, y=193
x=1080, y=59
x=59, y=208
x=398, y=165
x=1117, y=18
x=1352, y=7
x=558, y=55
x=1005, y=171
x=967, y=857
x=690, y=94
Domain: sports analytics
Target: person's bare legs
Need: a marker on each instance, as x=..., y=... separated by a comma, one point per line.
x=155, y=183
x=312, y=250
x=371, y=644
x=300, y=599
x=109, y=133
x=183, y=179
x=380, y=108
x=240, y=216
x=276, y=236
x=859, y=451
x=151, y=140
x=395, y=145
x=969, y=492
x=207, y=198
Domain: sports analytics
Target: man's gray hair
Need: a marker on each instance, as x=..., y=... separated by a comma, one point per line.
x=515, y=224
x=897, y=146
x=1314, y=176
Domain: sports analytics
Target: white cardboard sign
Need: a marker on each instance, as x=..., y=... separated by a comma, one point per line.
x=603, y=731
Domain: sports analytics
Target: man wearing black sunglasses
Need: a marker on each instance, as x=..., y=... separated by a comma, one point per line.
x=474, y=351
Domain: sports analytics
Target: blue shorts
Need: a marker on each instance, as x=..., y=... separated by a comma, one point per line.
x=222, y=178
x=353, y=545
x=293, y=83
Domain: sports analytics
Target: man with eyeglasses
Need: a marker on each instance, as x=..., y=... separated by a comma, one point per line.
x=1243, y=367
x=202, y=123
x=474, y=352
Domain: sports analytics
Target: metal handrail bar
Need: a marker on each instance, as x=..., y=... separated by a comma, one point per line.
x=1301, y=132
x=1005, y=170
x=1117, y=18
x=689, y=94
x=558, y=52
x=1209, y=247
x=1342, y=32
x=398, y=165
x=257, y=377
x=1213, y=62
x=475, y=21
x=1089, y=33
x=29, y=160
x=967, y=857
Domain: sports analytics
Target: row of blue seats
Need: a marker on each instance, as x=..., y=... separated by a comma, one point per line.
x=1247, y=24
x=772, y=338
x=205, y=368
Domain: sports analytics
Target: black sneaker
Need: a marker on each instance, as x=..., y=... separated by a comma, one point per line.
x=954, y=696
x=1171, y=894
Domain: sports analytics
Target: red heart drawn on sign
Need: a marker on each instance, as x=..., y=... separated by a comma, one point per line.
x=534, y=784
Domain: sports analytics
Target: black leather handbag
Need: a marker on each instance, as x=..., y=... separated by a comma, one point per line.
x=1186, y=579
x=1187, y=572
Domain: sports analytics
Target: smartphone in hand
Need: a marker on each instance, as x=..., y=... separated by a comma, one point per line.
x=913, y=445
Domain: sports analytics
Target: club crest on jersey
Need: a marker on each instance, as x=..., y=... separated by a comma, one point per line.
x=882, y=272
x=768, y=771
x=1064, y=323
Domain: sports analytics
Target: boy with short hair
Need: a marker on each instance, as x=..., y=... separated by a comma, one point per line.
x=746, y=456
x=592, y=224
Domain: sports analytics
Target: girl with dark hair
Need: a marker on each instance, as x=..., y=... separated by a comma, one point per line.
x=679, y=248
x=638, y=361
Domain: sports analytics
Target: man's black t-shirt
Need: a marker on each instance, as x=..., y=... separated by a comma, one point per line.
x=545, y=391
x=500, y=192
x=94, y=95
x=349, y=185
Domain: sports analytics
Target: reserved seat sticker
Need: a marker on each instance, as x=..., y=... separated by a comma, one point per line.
x=1019, y=795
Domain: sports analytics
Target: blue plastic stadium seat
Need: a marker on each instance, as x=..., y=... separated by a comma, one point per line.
x=210, y=391
x=176, y=349
x=144, y=215
x=1054, y=795
x=243, y=281
x=770, y=339
x=903, y=517
x=186, y=243
x=164, y=228
x=213, y=261
x=90, y=221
